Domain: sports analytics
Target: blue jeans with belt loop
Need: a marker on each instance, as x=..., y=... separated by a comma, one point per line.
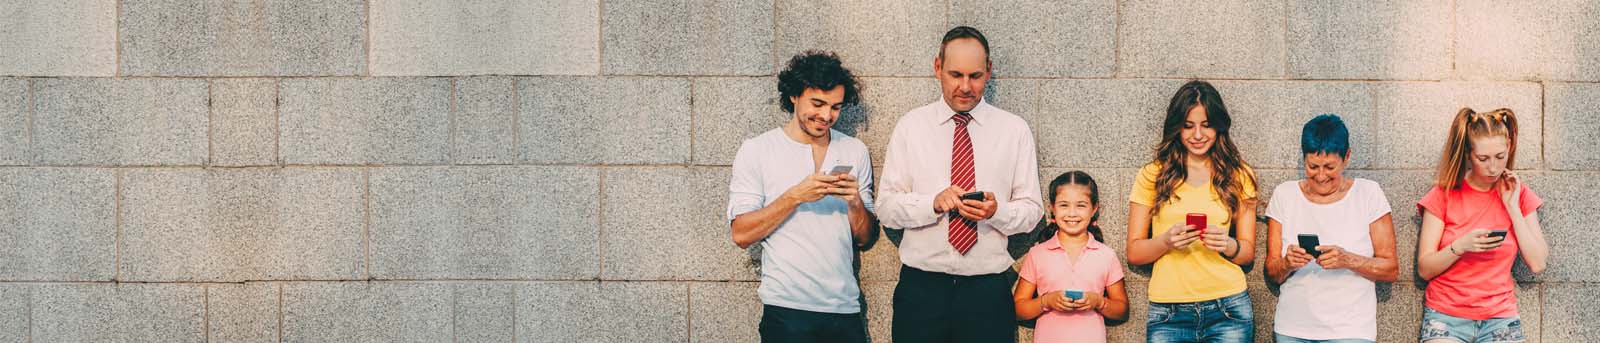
x=1229, y=319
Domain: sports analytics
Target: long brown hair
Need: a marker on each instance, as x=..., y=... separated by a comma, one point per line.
x=1229, y=172
x=1468, y=126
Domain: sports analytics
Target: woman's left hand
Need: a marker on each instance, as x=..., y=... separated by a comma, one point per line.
x=1216, y=238
x=1510, y=187
x=1334, y=257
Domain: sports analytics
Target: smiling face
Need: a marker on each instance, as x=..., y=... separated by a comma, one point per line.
x=1197, y=134
x=1325, y=172
x=1489, y=157
x=963, y=70
x=1073, y=209
x=816, y=110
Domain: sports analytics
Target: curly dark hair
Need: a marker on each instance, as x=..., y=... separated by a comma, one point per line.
x=816, y=69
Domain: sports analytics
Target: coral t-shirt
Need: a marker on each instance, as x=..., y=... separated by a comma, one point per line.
x=1479, y=285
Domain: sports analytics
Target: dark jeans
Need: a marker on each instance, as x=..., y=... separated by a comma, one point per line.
x=939, y=307
x=783, y=325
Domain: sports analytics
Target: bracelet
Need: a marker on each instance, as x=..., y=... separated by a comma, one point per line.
x=1453, y=250
x=1236, y=248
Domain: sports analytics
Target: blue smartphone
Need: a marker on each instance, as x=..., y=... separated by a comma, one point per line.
x=1072, y=294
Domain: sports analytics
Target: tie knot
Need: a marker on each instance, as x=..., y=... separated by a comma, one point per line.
x=962, y=118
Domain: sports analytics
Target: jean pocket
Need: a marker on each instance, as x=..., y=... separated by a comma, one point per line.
x=1238, y=308
x=1159, y=314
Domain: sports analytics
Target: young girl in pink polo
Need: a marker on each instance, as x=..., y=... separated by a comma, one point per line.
x=1071, y=281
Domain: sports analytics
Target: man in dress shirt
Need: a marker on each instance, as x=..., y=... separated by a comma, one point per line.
x=953, y=286
x=804, y=192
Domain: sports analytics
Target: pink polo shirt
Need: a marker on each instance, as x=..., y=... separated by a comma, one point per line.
x=1049, y=269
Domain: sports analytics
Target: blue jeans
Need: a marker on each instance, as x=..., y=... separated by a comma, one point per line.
x=1280, y=338
x=1440, y=326
x=1229, y=319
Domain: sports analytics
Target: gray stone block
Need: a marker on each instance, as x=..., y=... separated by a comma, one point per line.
x=881, y=262
x=119, y=122
x=231, y=225
x=1404, y=189
x=57, y=224
x=244, y=127
x=1568, y=207
x=484, y=312
x=14, y=131
x=1571, y=128
x=1530, y=309
x=1568, y=309
x=367, y=312
x=1043, y=39
x=702, y=37
x=52, y=38
x=485, y=119
x=1423, y=112
x=1363, y=40
x=118, y=313
x=263, y=38
x=1269, y=116
x=587, y=312
x=650, y=233
x=1227, y=39
x=485, y=223
x=422, y=37
x=1553, y=41
x=880, y=309
x=365, y=121
x=724, y=312
x=242, y=312
x=603, y=120
x=869, y=42
x=730, y=110
x=1138, y=311
x=1101, y=123
x=14, y=302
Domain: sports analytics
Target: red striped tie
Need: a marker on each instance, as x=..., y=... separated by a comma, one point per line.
x=962, y=234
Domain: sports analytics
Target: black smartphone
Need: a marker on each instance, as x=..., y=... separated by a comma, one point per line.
x=1309, y=242
x=975, y=196
x=1497, y=233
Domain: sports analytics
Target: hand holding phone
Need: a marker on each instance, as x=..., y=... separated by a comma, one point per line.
x=1196, y=221
x=974, y=196
x=1309, y=243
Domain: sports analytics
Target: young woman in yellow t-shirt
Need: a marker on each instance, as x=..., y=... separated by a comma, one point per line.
x=1197, y=290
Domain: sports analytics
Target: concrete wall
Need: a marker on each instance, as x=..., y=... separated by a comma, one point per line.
x=555, y=171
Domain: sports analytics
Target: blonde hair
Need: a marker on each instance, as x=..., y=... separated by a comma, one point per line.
x=1469, y=126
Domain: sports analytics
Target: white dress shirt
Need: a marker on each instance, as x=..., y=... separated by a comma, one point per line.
x=917, y=167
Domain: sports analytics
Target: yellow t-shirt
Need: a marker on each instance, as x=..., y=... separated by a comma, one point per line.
x=1194, y=273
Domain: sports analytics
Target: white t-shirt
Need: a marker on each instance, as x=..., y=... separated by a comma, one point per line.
x=1317, y=303
x=806, y=263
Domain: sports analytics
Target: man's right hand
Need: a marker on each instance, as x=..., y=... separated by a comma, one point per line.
x=813, y=188
x=947, y=199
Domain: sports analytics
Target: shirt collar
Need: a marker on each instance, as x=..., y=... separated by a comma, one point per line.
x=1055, y=244
x=977, y=111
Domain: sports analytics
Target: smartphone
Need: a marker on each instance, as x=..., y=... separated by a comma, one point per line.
x=1197, y=221
x=1309, y=242
x=1072, y=294
x=975, y=196
x=1497, y=233
x=840, y=170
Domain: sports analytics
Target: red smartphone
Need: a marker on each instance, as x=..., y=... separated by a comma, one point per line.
x=1197, y=221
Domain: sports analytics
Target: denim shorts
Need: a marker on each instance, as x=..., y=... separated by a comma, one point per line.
x=1437, y=325
x=1228, y=319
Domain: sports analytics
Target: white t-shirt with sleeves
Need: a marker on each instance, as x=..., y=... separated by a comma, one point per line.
x=1316, y=303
